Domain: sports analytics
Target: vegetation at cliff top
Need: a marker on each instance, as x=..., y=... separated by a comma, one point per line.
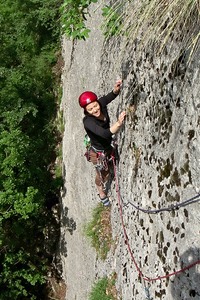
x=154, y=23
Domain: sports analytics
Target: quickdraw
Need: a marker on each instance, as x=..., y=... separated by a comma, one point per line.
x=102, y=164
x=102, y=161
x=87, y=144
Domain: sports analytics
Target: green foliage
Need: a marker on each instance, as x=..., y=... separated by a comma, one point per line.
x=27, y=26
x=93, y=228
x=21, y=276
x=29, y=40
x=73, y=17
x=99, y=290
x=98, y=230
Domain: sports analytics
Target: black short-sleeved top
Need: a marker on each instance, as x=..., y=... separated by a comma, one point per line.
x=99, y=130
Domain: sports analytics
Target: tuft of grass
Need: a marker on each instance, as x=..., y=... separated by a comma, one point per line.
x=104, y=289
x=154, y=23
x=112, y=24
x=99, y=230
x=99, y=290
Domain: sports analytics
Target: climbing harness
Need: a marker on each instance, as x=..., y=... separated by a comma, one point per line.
x=102, y=165
x=102, y=160
x=141, y=275
x=104, y=157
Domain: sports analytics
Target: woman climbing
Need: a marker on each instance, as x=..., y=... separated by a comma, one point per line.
x=97, y=125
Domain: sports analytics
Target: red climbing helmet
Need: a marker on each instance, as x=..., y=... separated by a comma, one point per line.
x=86, y=98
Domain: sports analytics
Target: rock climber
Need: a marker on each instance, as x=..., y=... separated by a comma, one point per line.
x=97, y=125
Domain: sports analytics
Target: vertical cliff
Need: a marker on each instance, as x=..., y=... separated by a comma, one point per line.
x=159, y=169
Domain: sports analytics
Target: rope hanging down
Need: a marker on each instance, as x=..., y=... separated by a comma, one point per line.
x=145, y=278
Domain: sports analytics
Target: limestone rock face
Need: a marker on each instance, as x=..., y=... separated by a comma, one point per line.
x=159, y=168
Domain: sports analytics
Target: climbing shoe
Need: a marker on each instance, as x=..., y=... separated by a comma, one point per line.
x=105, y=201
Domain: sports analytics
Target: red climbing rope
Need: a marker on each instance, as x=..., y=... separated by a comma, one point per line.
x=127, y=240
x=173, y=273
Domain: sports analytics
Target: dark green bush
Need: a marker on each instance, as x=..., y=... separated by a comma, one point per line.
x=29, y=40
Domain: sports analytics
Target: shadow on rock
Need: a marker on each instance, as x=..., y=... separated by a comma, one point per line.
x=67, y=222
x=70, y=225
x=186, y=285
x=63, y=190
